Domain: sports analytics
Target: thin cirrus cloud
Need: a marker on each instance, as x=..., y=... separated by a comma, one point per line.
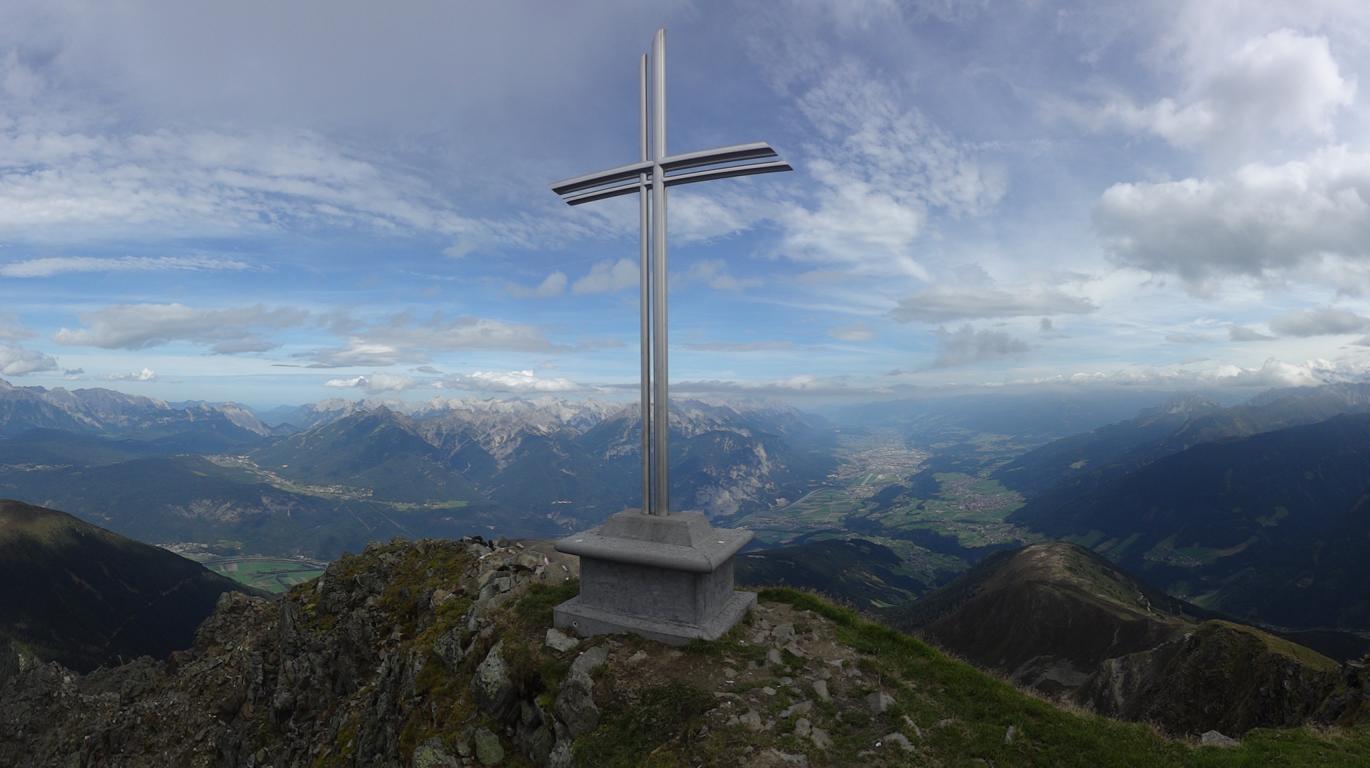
x=139, y=326
x=404, y=339
x=944, y=305
x=59, y=265
x=1326, y=321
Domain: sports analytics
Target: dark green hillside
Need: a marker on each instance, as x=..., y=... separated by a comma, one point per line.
x=192, y=499
x=866, y=574
x=376, y=449
x=1272, y=528
x=400, y=657
x=57, y=447
x=1068, y=623
x=83, y=596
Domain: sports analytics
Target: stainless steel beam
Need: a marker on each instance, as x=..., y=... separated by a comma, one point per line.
x=661, y=426
x=600, y=178
x=727, y=173
x=754, y=151
x=644, y=279
x=604, y=194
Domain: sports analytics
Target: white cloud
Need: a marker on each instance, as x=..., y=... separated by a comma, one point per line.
x=1258, y=221
x=968, y=346
x=551, y=286
x=138, y=326
x=146, y=374
x=739, y=346
x=853, y=333
x=57, y=265
x=608, y=277
x=1243, y=333
x=376, y=382
x=11, y=330
x=1280, y=85
x=944, y=305
x=17, y=361
x=882, y=169
x=1326, y=321
x=402, y=338
x=507, y=381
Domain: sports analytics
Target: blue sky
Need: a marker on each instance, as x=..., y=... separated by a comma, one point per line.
x=279, y=204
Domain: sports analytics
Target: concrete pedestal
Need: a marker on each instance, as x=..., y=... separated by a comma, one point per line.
x=665, y=577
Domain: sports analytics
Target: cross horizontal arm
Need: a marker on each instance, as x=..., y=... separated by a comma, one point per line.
x=603, y=193
x=757, y=151
x=729, y=172
x=591, y=180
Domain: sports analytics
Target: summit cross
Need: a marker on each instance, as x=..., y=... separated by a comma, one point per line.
x=654, y=172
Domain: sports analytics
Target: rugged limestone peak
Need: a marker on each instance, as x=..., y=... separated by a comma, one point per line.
x=440, y=654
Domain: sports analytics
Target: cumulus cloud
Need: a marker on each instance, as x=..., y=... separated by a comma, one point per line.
x=139, y=326
x=1243, y=333
x=376, y=382
x=507, y=381
x=58, y=265
x=18, y=361
x=608, y=277
x=551, y=286
x=968, y=346
x=1327, y=321
x=1262, y=219
x=852, y=333
x=882, y=169
x=803, y=385
x=944, y=305
x=1283, y=84
x=11, y=330
x=146, y=374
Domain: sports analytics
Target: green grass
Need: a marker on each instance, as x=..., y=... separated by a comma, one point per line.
x=650, y=732
x=934, y=688
x=267, y=574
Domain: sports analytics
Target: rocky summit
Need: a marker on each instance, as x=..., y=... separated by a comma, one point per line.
x=437, y=654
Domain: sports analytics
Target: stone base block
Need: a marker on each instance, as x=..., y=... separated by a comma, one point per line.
x=668, y=577
x=586, y=621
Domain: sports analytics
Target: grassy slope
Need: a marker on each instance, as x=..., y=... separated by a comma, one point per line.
x=935, y=687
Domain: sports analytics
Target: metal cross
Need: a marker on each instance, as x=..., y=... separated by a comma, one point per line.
x=653, y=173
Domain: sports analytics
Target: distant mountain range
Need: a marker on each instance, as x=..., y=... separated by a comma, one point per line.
x=85, y=597
x=334, y=475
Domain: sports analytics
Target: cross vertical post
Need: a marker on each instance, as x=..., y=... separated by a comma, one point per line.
x=649, y=177
x=644, y=273
x=662, y=416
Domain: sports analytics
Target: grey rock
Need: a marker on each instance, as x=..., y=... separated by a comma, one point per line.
x=590, y=660
x=783, y=633
x=899, y=740
x=561, y=755
x=751, y=720
x=802, y=727
x=801, y=708
x=432, y=754
x=820, y=689
x=879, y=702
x=1010, y=734
x=559, y=641
x=575, y=703
x=488, y=749
x=1216, y=739
x=820, y=738
x=491, y=686
x=774, y=758
x=448, y=647
x=774, y=658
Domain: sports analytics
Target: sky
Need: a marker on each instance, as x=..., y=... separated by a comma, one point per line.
x=282, y=202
